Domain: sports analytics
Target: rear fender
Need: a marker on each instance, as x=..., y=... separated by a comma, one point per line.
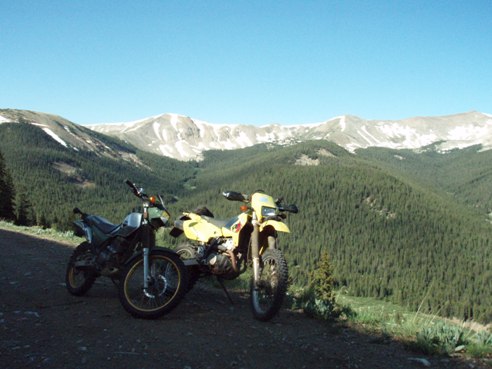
x=83, y=230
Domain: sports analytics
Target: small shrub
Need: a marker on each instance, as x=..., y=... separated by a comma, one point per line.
x=479, y=351
x=441, y=339
x=483, y=338
x=320, y=309
x=481, y=345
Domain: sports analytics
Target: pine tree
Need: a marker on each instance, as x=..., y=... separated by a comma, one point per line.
x=323, y=280
x=7, y=192
x=24, y=211
x=321, y=300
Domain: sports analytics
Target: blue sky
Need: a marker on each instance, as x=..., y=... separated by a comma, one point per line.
x=253, y=62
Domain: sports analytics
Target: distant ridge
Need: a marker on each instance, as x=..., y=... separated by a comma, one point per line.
x=185, y=138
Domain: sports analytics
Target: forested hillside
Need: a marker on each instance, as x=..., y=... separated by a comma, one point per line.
x=465, y=174
x=50, y=180
x=388, y=237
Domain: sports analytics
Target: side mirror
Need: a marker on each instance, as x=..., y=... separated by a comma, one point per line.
x=234, y=196
x=290, y=208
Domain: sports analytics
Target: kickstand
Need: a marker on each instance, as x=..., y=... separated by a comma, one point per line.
x=225, y=290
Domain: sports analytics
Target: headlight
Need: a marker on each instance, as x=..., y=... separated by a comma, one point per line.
x=158, y=214
x=268, y=212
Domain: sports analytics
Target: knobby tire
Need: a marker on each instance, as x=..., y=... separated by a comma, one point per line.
x=266, y=298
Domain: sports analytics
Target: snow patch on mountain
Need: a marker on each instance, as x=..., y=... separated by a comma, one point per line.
x=405, y=136
x=157, y=130
x=55, y=136
x=244, y=140
x=343, y=124
x=3, y=119
x=174, y=121
x=468, y=132
x=371, y=140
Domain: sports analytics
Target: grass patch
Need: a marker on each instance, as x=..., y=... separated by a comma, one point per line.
x=429, y=334
x=66, y=237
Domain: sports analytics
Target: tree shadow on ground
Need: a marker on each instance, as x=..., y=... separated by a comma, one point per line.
x=43, y=326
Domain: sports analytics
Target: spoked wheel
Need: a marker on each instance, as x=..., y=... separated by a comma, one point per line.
x=268, y=293
x=166, y=286
x=80, y=274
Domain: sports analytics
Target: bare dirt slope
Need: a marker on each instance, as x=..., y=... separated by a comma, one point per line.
x=42, y=326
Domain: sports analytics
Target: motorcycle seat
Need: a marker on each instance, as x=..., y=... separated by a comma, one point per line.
x=103, y=224
x=215, y=222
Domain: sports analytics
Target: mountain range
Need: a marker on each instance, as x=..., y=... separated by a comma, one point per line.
x=184, y=138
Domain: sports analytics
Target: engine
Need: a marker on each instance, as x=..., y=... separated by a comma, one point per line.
x=219, y=263
x=222, y=260
x=109, y=257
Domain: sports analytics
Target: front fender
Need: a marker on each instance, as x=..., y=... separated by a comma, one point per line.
x=278, y=226
x=139, y=254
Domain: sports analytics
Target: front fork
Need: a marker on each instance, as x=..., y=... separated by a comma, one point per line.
x=255, y=250
x=146, y=252
x=148, y=240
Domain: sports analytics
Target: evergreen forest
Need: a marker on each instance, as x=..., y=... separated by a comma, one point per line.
x=50, y=180
x=398, y=225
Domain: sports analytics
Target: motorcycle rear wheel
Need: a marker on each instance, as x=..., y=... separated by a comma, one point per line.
x=267, y=294
x=78, y=281
x=166, y=287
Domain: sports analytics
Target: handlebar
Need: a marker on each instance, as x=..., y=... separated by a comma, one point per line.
x=236, y=196
x=290, y=208
x=133, y=187
x=78, y=211
x=136, y=191
x=139, y=192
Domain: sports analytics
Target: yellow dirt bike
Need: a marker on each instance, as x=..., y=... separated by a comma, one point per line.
x=225, y=248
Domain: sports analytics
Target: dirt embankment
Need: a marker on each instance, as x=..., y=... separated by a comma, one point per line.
x=42, y=326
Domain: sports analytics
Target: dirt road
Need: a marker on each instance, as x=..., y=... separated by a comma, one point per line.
x=42, y=326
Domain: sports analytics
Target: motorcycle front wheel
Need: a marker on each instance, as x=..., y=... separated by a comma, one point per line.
x=267, y=294
x=80, y=274
x=166, y=285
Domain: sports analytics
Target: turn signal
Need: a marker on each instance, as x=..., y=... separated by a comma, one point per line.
x=243, y=208
x=152, y=199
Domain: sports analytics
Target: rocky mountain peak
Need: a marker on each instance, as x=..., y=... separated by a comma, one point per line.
x=185, y=138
